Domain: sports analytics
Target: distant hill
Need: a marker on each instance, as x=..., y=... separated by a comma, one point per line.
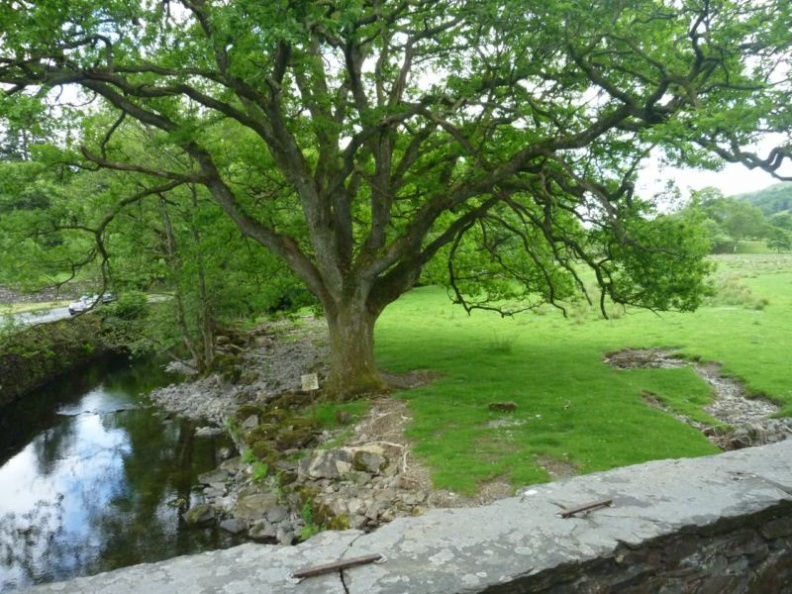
x=776, y=198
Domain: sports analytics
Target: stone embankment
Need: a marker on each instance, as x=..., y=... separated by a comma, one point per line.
x=293, y=481
x=715, y=524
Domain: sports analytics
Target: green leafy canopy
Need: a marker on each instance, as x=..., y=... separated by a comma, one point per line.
x=359, y=141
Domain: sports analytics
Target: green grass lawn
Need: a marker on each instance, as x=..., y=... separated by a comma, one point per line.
x=571, y=406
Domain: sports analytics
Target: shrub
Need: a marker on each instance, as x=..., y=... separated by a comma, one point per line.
x=132, y=305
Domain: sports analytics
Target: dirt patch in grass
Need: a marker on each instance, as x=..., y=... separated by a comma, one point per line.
x=385, y=426
x=644, y=359
x=556, y=468
x=411, y=379
x=651, y=400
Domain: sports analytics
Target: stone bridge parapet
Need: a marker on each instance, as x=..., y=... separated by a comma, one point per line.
x=720, y=524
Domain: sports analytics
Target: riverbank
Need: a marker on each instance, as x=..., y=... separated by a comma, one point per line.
x=295, y=477
x=34, y=356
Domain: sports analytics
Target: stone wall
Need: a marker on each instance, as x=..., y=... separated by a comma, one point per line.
x=715, y=525
x=746, y=554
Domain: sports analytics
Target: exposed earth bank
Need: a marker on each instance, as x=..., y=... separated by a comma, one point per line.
x=361, y=474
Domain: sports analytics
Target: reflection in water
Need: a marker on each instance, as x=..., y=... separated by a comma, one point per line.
x=101, y=486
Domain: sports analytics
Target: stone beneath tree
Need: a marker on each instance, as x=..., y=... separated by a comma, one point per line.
x=254, y=507
x=233, y=525
x=277, y=514
x=200, y=515
x=262, y=531
x=213, y=477
x=250, y=423
x=369, y=460
x=208, y=431
x=340, y=463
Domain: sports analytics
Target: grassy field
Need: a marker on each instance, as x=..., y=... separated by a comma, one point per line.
x=574, y=409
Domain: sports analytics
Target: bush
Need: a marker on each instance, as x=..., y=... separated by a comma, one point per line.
x=130, y=306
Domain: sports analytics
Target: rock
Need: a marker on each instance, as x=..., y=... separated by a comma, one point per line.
x=233, y=525
x=277, y=514
x=342, y=462
x=233, y=465
x=208, y=431
x=396, y=482
x=369, y=460
x=215, y=492
x=336, y=507
x=262, y=531
x=224, y=453
x=200, y=515
x=284, y=537
x=413, y=499
x=254, y=507
x=250, y=423
x=387, y=494
x=359, y=478
x=329, y=464
x=181, y=367
x=357, y=522
x=354, y=505
x=374, y=510
x=214, y=477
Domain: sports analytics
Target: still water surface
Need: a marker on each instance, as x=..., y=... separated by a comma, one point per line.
x=92, y=478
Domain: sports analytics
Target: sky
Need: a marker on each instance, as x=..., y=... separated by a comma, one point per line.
x=731, y=180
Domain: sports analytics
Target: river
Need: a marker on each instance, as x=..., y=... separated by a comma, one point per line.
x=93, y=478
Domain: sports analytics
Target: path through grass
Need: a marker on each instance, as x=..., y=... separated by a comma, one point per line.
x=571, y=406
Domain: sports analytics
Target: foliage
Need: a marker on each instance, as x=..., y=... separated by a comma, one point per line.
x=778, y=239
x=131, y=305
x=311, y=528
x=359, y=141
x=776, y=199
x=260, y=471
x=729, y=290
x=729, y=220
x=782, y=220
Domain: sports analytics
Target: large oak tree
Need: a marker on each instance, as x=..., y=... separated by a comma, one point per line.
x=358, y=140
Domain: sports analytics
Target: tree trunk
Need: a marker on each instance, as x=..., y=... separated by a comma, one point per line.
x=353, y=368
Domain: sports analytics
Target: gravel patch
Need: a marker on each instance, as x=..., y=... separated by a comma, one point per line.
x=749, y=419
